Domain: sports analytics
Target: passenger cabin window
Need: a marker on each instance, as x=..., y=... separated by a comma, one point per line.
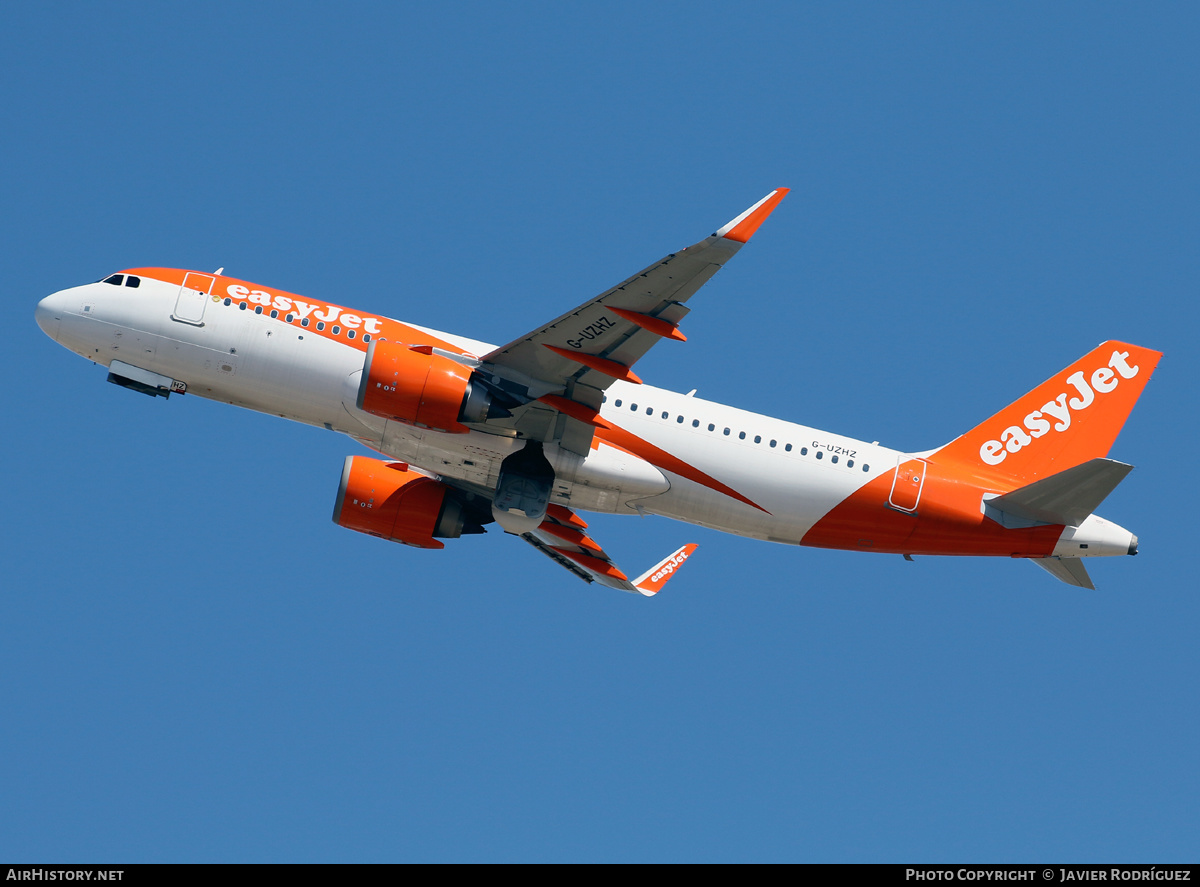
x=115, y=279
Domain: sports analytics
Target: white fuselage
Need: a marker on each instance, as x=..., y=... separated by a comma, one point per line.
x=653, y=451
x=795, y=474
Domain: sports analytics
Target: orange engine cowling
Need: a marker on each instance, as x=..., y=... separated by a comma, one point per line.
x=411, y=384
x=385, y=499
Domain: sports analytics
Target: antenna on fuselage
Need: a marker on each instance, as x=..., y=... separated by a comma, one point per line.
x=220, y=270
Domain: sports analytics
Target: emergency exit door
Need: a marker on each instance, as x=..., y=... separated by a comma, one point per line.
x=907, y=484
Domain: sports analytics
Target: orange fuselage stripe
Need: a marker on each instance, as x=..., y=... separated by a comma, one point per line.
x=618, y=437
x=947, y=520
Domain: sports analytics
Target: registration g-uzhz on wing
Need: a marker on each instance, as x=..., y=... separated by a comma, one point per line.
x=556, y=423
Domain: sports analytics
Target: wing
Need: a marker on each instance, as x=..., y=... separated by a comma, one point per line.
x=580, y=353
x=563, y=539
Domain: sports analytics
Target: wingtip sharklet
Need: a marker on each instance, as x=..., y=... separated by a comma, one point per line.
x=651, y=582
x=743, y=227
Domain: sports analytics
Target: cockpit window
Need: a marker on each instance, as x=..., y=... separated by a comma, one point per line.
x=133, y=281
x=115, y=279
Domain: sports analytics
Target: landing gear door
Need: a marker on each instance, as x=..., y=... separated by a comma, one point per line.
x=193, y=296
x=907, y=484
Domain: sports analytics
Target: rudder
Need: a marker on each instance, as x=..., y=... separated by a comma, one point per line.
x=1072, y=417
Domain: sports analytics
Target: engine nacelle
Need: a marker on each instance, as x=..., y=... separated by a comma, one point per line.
x=411, y=384
x=387, y=500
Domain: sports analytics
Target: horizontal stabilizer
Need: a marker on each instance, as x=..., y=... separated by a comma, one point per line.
x=1065, y=498
x=1067, y=569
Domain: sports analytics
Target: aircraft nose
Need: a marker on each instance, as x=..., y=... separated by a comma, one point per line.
x=49, y=315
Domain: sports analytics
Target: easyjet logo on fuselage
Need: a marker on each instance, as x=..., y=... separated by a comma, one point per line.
x=1038, y=423
x=327, y=313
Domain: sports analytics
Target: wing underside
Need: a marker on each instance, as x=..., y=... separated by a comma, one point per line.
x=579, y=354
x=563, y=538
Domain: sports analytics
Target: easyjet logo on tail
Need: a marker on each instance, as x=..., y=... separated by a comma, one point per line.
x=1057, y=413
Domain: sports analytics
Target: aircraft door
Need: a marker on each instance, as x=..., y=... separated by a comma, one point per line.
x=193, y=296
x=907, y=484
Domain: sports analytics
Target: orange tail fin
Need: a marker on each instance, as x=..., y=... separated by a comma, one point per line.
x=1072, y=417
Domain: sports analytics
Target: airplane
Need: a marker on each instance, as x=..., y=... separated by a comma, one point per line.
x=556, y=422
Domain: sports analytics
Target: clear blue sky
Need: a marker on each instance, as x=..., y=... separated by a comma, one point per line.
x=196, y=664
